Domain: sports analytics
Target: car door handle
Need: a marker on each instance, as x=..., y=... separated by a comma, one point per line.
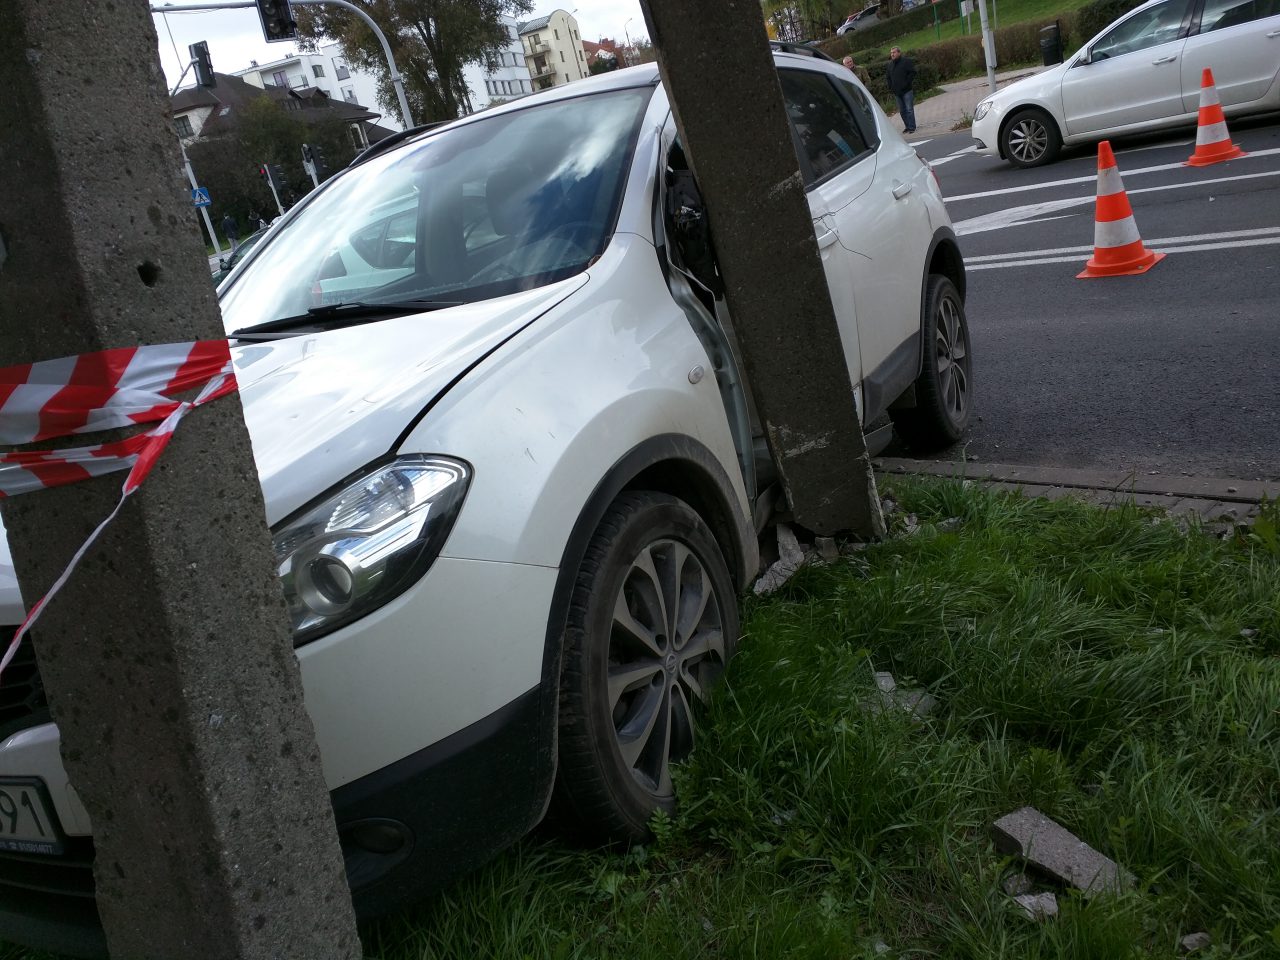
x=825, y=235
x=1163, y=60
x=1273, y=33
x=900, y=190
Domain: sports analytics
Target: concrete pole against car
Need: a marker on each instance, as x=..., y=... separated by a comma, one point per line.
x=167, y=659
x=715, y=60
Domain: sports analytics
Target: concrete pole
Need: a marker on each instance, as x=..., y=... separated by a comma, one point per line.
x=776, y=287
x=988, y=45
x=167, y=659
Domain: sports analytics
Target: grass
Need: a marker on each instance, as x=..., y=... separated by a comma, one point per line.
x=1114, y=670
x=1001, y=13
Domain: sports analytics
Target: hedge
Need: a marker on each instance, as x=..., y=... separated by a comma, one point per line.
x=1093, y=18
x=893, y=27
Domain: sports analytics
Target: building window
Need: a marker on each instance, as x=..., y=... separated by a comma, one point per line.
x=317, y=69
x=566, y=78
x=183, y=126
x=280, y=78
x=557, y=33
x=303, y=82
x=349, y=94
x=340, y=71
x=562, y=56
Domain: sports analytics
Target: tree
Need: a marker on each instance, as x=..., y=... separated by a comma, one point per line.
x=432, y=40
x=797, y=20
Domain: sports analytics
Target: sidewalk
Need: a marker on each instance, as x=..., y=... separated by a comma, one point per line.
x=937, y=115
x=1212, y=498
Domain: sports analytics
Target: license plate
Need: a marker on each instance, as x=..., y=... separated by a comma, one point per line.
x=27, y=823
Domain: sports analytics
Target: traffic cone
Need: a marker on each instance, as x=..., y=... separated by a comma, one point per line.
x=1117, y=248
x=1213, y=143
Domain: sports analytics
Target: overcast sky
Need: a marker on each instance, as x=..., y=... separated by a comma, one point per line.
x=235, y=36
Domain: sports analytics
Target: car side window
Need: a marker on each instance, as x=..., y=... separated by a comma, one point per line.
x=1220, y=14
x=862, y=112
x=1150, y=28
x=828, y=137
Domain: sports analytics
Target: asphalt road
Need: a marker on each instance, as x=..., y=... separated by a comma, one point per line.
x=1176, y=371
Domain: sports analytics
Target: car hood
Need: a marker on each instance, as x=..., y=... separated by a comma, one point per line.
x=1041, y=87
x=320, y=406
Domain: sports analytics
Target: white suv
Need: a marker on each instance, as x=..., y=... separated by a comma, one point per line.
x=513, y=471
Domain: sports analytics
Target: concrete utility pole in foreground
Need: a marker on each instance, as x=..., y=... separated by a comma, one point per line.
x=715, y=61
x=167, y=659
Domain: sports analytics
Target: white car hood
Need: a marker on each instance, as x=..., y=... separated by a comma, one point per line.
x=1040, y=88
x=321, y=406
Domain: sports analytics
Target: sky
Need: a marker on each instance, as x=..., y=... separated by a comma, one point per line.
x=235, y=36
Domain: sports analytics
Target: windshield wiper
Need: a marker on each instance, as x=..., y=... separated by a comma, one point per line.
x=333, y=316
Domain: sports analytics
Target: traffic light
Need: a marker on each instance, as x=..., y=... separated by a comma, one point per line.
x=277, y=20
x=315, y=156
x=273, y=174
x=204, y=66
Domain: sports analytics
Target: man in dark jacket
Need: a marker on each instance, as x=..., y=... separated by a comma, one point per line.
x=902, y=75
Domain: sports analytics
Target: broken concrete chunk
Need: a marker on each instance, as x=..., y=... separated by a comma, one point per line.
x=950, y=524
x=916, y=701
x=827, y=548
x=1052, y=848
x=1037, y=906
x=885, y=682
x=1016, y=884
x=1194, y=941
x=790, y=559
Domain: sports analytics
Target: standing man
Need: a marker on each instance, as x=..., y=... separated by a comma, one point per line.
x=902, y=75
x=231, y=230
x=857, y=71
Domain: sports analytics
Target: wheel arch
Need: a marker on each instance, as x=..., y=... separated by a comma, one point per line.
x=667, y=463
x=1013, y=112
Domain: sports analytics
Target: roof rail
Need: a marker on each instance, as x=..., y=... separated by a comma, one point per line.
x=803, y=49
x=386, y=143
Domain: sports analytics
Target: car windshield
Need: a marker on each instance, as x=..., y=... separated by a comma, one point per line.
x=498, y=205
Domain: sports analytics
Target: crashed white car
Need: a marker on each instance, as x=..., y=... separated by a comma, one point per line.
x=1142, y=73
x=512, y=470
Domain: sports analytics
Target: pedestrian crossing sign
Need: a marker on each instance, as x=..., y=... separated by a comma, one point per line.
x=200, y=196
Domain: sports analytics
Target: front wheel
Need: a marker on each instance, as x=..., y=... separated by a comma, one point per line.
x=652, y=624
x=1030, y=139
x=944, y=389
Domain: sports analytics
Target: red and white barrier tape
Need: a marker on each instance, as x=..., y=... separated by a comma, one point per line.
x=100, y=391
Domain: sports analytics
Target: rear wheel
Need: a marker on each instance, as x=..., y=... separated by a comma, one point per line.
x=651, y=626
x=1030, y=139
x=944, y=388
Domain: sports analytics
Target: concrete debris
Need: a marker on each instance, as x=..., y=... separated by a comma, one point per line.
x=888, y=505
x=1037, y=906
x=790, y=559
x=849, y=548
x=913, y=701
x=912, y=524
x=1053, y=849
x=880, y=947
x=782, y=817
x=950, y=524
x=1017, y=884
x=1248, y=633
x=708, y=926
x=827, y=548
x=917, y=702
x=1194, y=941
x=885, y=682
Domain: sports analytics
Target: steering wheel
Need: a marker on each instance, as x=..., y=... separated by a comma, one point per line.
x=577, y=234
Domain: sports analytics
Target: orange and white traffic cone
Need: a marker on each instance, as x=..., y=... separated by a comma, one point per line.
x=1117, y=248
x=1213, y=143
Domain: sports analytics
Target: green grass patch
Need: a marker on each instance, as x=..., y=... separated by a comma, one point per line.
x=1113, y=669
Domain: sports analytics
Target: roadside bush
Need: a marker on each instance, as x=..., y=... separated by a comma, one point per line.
x=886, y=30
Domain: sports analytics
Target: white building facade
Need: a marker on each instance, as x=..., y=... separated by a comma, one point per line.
x=326, y=70
x=509, y=77
x=553, y=50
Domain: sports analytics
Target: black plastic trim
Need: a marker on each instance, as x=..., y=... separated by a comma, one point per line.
x=895, y=374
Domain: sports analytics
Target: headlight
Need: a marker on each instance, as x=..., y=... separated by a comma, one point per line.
x=983, y=109
x=368, y=542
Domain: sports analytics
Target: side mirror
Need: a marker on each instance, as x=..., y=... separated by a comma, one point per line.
x=223, y=262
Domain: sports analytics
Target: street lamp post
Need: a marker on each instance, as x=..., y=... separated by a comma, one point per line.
x=625, y=61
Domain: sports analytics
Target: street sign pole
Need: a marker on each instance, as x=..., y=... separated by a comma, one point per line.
x=204, y=211
x=988, y=45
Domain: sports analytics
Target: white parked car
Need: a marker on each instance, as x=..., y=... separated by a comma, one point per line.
x=864, y=18
x=1142, y=73
x=513, y=475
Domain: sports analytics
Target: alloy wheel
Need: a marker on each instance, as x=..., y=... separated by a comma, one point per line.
x=952, y=360
x=666, y=649
x=1028, y=140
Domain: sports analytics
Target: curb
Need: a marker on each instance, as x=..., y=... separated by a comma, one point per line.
x=1212, y=498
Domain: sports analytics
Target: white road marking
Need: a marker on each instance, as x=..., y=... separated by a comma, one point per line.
x=1016, y=216
x=1192, y=248
x=921, y=143
x=953, y=156
x=1163, y=241
x=1092, y=178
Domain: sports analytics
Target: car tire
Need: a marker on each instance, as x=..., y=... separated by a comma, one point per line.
x=631, y=674
x=944, y=389
x=1030, y=138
